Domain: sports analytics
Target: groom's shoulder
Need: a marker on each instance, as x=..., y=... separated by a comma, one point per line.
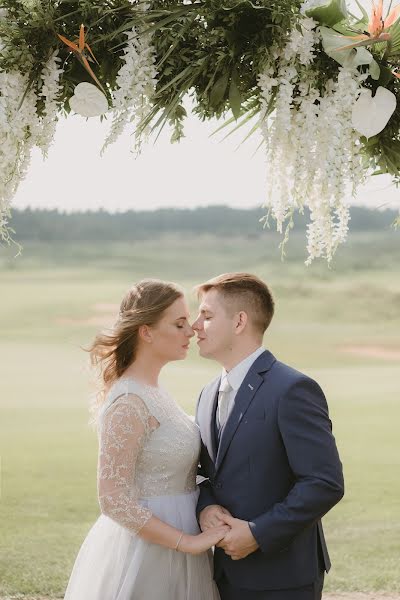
x=289, y=375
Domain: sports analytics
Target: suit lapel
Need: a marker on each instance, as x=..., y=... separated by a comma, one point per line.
x=243, y=399
x=244, y=396
x=209, y=440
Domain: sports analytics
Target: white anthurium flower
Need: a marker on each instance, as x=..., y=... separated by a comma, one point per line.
x=88, y=100
x=350, y=58
x=371, y=114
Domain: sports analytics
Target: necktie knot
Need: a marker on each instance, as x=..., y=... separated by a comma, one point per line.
x=225, y=386
x=223, y=401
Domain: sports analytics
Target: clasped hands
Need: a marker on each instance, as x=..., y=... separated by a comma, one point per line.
x=239, y=542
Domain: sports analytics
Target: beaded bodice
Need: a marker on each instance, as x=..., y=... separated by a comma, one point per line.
x=148, y=446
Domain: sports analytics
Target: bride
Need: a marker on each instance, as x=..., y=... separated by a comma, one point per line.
x=146, y=544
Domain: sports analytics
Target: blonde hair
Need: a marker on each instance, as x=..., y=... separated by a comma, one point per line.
x=113, y=351
x=245, y=291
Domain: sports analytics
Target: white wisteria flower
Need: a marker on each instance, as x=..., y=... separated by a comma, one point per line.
x=19, y=130
x=312, y=148
x=88, y=100
x=301, y=43
x=50, y=91
x=370, y=115
x=136, y=84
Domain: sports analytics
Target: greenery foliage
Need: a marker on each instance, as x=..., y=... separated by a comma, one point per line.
x=208, y=49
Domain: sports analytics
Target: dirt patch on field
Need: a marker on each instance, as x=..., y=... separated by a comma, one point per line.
x=382, y=352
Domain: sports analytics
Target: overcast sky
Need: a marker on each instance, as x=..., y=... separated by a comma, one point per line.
x=196, y=172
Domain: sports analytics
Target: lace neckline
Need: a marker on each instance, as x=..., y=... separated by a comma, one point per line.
x=141, y=384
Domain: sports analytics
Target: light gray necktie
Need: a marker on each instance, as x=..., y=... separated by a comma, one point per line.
x=223, y=401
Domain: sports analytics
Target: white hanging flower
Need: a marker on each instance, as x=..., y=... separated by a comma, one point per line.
x=88, y=100
x=19, y=130
x=312, y=148
x=50, y=91
x=301, y=43
x=136, y=83
x=370, y=115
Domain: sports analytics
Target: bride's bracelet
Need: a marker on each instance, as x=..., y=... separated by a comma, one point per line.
x=179, y=541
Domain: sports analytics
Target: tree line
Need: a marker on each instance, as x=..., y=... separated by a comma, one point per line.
x=53, y=225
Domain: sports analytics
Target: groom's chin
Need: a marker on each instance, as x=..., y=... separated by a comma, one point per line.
x=203, y=353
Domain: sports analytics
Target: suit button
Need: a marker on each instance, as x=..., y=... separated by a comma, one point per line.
x=218, y=485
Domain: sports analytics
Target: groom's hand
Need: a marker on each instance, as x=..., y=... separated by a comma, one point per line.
x=239, y=542
x=211, y=516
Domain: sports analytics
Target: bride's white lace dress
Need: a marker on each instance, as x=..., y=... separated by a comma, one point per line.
x=148, y=456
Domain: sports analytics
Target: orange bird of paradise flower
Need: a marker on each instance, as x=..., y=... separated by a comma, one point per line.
x=377, y=27
x=79, y=50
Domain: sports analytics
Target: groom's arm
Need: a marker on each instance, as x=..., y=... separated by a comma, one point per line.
x=313, y=457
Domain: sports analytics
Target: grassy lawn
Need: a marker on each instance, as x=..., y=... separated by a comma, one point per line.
x=54, y=299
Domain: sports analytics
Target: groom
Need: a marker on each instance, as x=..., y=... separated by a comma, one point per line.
x=268, y=456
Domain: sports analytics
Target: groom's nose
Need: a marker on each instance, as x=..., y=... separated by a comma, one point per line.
x=196, y=325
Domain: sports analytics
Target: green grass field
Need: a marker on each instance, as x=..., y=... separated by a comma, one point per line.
x=339, y=325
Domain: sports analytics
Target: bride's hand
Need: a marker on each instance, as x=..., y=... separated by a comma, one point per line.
x=196, y=544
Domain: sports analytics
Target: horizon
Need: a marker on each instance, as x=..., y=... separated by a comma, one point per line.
x=173, y=208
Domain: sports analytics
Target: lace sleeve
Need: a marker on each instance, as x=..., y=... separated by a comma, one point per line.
x=123, y=431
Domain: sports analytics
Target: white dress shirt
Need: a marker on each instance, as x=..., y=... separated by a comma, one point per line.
x=234, y=378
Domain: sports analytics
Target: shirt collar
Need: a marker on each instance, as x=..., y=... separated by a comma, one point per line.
x=239, y=371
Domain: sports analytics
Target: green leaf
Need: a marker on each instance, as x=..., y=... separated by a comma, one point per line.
x=328, y=13
x=155, y=27
x=218, y=91
x=248, y=2
x=385, y=76
x=235, y=98
x=365, y=18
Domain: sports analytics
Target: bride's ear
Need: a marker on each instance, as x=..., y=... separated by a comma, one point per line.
x=145, y=334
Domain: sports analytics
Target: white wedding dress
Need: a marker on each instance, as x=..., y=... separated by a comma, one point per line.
x=148, y=456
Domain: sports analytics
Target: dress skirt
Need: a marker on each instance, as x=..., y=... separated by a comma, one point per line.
x=115, y=564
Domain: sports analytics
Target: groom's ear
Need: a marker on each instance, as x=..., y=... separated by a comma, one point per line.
x=240, y=320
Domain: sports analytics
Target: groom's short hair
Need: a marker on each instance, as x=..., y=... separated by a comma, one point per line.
x=244, y=291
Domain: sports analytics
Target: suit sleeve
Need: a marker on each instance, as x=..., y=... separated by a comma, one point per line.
x=306, y=432
x=206, y=497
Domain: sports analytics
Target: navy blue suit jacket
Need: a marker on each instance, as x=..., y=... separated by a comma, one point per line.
x=277, y=467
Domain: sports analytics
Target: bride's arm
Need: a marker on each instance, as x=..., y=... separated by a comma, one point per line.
x=123, y=432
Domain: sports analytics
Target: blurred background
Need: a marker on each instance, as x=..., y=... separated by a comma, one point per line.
x=339, y=324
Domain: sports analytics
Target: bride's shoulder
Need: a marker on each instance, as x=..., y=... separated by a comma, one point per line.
x=129, y=391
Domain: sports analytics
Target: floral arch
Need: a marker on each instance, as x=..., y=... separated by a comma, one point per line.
x=321, y=83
